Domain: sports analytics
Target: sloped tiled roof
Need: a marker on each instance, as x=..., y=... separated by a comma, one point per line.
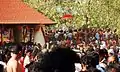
x=17, y=12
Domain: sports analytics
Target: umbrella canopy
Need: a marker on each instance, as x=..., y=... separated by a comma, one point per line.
x=67, y=16
x=17, y=12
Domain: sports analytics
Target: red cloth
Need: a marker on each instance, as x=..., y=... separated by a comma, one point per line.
x=22, y=64
x=114, y=42
x=68, y=42
x=46, y=38
x=78, y=41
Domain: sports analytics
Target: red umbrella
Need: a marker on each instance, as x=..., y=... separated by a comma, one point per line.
x=67, y=16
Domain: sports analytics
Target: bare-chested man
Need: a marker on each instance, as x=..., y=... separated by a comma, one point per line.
x=13, y=64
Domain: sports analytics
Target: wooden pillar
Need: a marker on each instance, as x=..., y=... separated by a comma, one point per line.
x=1, y=35
x=12, y=35
x=17, y=33
x=31, y=31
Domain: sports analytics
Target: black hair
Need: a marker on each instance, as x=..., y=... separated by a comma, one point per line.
x=89, y=50
x=103, y=52
x=6, y=55
x=95, y=56
x=29, y=50
x=16, y=48
x=75, y=30
x=42, y=65
x=88, y=60
x=70, y=30
x=116, y=67
x=61, y=31
x=93, y=70
x=79, y=29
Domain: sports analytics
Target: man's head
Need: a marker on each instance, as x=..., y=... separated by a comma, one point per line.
x=16, y=50
x=88, y=61
x=29, y=52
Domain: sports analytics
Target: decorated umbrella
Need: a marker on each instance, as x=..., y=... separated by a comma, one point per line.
x=67, y=16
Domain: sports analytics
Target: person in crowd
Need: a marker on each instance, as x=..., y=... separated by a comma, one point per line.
x=7, y=55
x=22, y=59
x=13, y=64
x=113, y=68
x=61, y=59
x=88, y=63
x=98, y=46
x=2, y=63
x=103, y=55
x=22, y=63
x=27, y=60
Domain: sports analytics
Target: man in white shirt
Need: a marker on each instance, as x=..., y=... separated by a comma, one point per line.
x=27, y=60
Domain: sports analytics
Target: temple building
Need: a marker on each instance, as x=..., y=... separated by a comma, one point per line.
x=20, y=23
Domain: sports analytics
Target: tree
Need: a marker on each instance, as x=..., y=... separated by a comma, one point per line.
x=90, y=13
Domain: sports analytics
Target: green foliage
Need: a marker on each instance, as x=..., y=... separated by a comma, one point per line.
x=92, y=13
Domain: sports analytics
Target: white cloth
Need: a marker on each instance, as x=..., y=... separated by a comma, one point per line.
x=56, y=35
x=70, y=35
x=39, y=38
x=106, y=35
x=78, y=67
x=27, y=60
x=26, y=70
x=100, y=68
x=4, y=64
x=103, y=45
x=110, y=51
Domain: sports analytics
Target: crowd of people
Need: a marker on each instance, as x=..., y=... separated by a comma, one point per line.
x=73, y=50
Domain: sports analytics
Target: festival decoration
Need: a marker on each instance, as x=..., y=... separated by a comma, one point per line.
x=67, y=16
